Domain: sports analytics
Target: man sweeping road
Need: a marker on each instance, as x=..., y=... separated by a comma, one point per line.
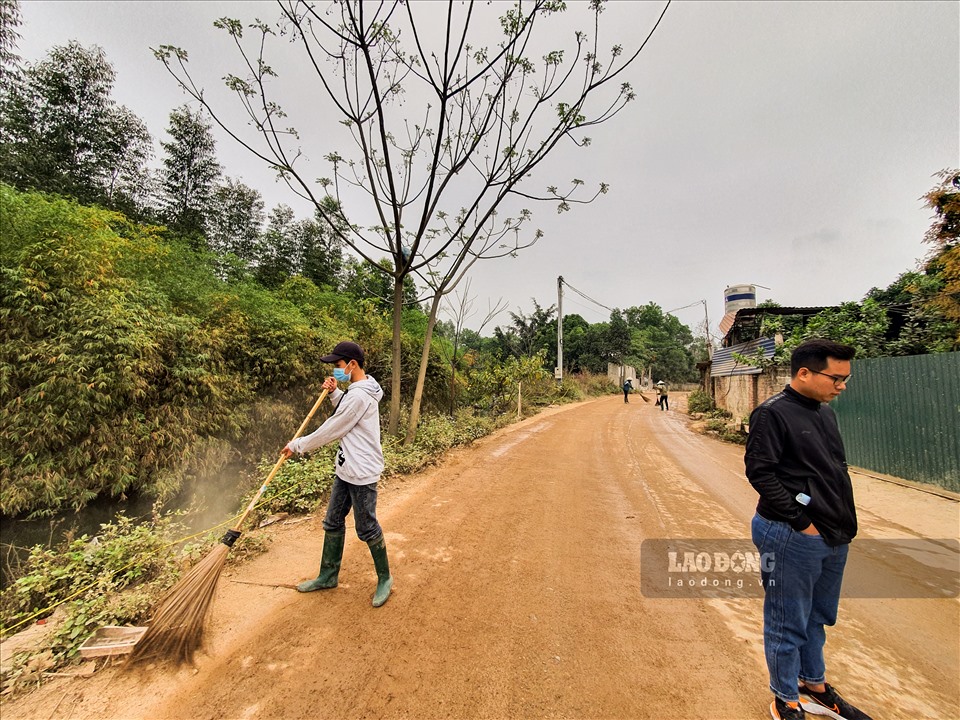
x=356, y=424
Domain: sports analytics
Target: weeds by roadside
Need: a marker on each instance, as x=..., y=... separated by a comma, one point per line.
x=110, y=579
x=718, y=422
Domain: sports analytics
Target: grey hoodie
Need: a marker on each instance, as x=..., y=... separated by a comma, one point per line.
x=356, y=424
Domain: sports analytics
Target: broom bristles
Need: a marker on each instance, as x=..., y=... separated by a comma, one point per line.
x=175, y=632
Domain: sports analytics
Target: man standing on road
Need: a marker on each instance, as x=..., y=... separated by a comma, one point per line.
x=804, y=523
x=356, y=424
x=627, y=387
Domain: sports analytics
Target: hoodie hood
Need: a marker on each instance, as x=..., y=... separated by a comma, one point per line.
x=356, y=424
x=368, y=385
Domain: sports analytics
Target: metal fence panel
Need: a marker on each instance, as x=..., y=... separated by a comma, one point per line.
x=724, y=364
x=901, y=416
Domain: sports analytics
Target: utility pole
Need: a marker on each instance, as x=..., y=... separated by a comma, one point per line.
x=706, y=323
x=706, y=330
x=558, y=372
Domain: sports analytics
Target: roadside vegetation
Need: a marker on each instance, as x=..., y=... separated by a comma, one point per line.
x=711, y=420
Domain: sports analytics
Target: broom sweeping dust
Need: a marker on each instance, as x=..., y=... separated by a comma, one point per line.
x=175, y=631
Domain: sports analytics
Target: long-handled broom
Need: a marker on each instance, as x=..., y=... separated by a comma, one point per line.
x=176, y=629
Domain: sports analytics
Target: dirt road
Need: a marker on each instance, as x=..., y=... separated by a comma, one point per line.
x=518, y=595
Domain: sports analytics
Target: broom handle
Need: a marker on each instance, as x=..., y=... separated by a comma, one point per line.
x=280, y=462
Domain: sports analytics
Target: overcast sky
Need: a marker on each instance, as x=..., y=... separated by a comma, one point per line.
x=785, y=144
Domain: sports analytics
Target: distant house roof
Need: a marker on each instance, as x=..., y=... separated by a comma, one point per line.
x=725, y=364
x=744, y=325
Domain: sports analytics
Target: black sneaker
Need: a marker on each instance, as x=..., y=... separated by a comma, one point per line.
x=830, y=703
x=782, y=710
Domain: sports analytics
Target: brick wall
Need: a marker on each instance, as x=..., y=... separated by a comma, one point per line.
x=740, y=394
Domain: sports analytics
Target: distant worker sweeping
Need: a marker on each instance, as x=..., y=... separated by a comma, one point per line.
x=663, y=396
x=356, y=424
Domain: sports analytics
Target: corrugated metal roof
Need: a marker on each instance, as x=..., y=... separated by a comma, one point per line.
x=724, y=364
x=727, y=322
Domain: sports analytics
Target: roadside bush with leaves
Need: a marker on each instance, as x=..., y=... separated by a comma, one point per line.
x=700, y=401
x=721, y=427
x=493, y=386
x=101, y=383
x=569, y=391
x=715, y=425
x=299, y=486
x=121, y=352
x=125, y=553
x=111, y=579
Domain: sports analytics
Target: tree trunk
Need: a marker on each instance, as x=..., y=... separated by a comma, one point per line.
x=453, y=376
x=394, y=421
x=422, y=376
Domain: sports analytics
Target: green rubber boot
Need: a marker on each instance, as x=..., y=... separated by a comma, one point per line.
x=329, y=564
x=378, y=549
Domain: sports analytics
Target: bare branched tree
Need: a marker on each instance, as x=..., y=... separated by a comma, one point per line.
x=460, y=312
x=488, y=117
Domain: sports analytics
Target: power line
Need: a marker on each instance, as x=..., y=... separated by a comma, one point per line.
x=581, y=305
x=587, y=297
x=698, y=302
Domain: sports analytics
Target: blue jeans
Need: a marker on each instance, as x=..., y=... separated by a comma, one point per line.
x=363, y=499
x=801, y=577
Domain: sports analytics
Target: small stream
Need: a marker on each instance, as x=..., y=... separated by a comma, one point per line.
x=206, y=502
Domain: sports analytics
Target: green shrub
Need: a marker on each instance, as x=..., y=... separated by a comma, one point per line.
x=570, y=390
x=469, y=427
x=721, y=427
x=435, y=435
x=102, y=383
x=118, y=575
x=300, y=485
x=122, y=353
x=733, y=436
x=700, y=402
x=720, y=413
x=716, y=425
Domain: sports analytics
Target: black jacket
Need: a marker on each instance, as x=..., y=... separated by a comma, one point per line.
x=794, y=447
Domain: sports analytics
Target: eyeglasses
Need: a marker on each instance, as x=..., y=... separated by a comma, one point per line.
x=838, y=380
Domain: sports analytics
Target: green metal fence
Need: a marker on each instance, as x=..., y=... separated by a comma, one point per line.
x=901, y=416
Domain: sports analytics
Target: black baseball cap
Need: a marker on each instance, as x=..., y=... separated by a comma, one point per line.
x=345, y=350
